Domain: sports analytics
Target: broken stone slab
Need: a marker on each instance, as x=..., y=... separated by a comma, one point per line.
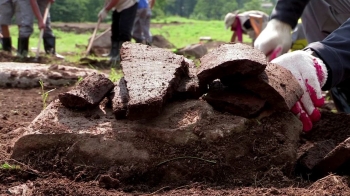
x=88, y=93
x=161, y=42
x=28, y=75
x=236, y=102
x=229, y=60
x=119, y=99
x=189, y=87
x=193, y=50
x=135, y=51
x=276, y=85
x=315, y=154
x=102, y=40
x=150, y=84
x=334, y=159
x=188, y=141
x=152, y=76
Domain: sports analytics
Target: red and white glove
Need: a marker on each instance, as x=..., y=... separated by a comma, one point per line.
x=311, y=74
x=103, y=14
x=275, y=34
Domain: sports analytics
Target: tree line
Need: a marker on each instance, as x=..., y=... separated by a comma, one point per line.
x=87, y=10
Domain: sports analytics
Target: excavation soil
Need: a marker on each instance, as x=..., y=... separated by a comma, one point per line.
x=18, y=107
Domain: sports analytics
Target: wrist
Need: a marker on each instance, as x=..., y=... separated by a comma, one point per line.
x=279, y=25
x=321, y=68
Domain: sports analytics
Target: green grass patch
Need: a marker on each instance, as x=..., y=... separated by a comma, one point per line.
x=177, y=30
x=66, y=42
x=182, y=32
x=8, y=166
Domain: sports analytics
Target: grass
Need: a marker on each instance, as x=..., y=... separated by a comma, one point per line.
x=65, y=42
x=178, y=31
x=8, y=166
x=44, y=94
x=182, y=32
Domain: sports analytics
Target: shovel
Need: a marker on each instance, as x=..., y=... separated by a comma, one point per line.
x=42, y=30
x=92, y=39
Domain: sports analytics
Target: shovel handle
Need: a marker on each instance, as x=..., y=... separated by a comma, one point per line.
x=42, y=30
x=92, y=39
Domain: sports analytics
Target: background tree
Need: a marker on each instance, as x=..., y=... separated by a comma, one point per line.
x=213, y=10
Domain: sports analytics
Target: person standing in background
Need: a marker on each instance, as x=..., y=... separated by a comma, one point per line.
x=141, y=31
x=122, y=23
x=7, y=10
x=249, y=22
x=49, y=39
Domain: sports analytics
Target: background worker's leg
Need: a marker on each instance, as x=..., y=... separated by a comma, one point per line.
x=49, y=38
x=24, y=19
x=6, y=13
x=145, y=25
x=137, y=29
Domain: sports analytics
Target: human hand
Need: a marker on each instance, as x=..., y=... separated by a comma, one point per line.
x=41, y=24
x=275, y=34
x=103, y=14
x=311, y=73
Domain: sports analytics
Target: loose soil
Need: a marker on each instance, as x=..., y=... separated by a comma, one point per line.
x=18, y=107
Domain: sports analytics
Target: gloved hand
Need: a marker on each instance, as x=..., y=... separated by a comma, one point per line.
x=102, y=14
x=311, y=74
x=275, y=34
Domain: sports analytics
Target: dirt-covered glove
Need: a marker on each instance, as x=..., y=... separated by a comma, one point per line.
x=103, y=14
x=311, y=74
x=275, y=34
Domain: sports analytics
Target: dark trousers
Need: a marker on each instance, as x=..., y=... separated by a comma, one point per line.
x=122, y=24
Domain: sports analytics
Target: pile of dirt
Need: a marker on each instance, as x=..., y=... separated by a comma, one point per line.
x=213, y=152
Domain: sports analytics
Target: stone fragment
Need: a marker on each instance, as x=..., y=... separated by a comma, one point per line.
x=88, y=93
x=231, y=59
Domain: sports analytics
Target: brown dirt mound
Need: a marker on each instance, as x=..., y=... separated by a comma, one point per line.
x=20, y=106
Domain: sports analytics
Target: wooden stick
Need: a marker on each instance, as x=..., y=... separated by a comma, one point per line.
x=92, y=39
x=103, y=33
x=42, y=30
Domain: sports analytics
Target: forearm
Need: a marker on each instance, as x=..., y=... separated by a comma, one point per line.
x=334, y=51
x=233, y=37
x=111, y=4
x=289, y=11
x=152, y=3
x=36, y=10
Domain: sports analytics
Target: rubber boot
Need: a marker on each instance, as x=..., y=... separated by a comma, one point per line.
x=341, y=98
x=50, y=46
x=115, y=51
x=22, y=46
x=138, y=40
x=7, y=44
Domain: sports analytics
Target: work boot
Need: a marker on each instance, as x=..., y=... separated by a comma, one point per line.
x=50, y=46
x=115, y=51
x=22, y=46
x=341, y=98
x=7, y=44
x=137, y=40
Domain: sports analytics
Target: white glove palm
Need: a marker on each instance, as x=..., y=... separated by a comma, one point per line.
x=276, y=34
x=103, y=14
x=311, y=74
